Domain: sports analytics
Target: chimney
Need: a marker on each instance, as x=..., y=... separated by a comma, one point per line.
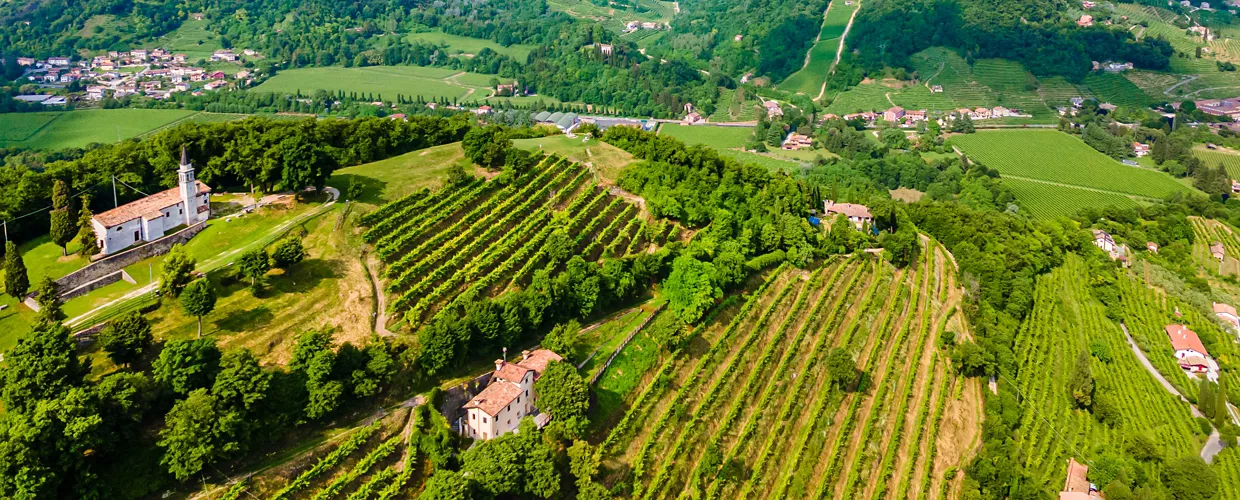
x=525, y=355
x=499, y=363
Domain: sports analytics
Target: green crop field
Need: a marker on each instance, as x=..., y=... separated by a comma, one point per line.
x=457, y=44
x=736, y=106
x=74, y=129
x=387, y=180
x=1053, y=156
x=757, y=394
x=809, y=79
x=718, y=138
x=1047, y=201
x=1229, y=159
x=1065, y=322
x=1116, y=89
x=386, y=81
x=606, y=159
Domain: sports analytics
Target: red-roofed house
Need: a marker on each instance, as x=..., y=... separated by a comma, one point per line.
x=149, y=218
x=859, y=215
x=1188, y=349
x=1077, y=486
x=498, y=409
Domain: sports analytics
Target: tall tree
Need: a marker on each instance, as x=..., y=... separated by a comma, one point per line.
x=88, y=244
x=47, y=295
x=198, y=300
x=126, y=338
x=254, y=264
x=287, y=253
x=177, y=271
x=1081, y=384
x=691, y=288
x=186, y=365
x=16, y=281
x=63, y=229
x=564, y=395
x=190, y=437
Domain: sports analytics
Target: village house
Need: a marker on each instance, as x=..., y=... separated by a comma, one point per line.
x=224, y=55
x=981, y=114
x=1088, y=4
x=178, y=58
x=772, y=109
x=1218, y=251
x=1140, y=149
x=1228, y=314
x=498, y=409
x=859, y=215
x=1235, y=186
x=58, y=61
x=25, y=61
x=1151, y=246
x=606, y=48
x=796, y=141
x=894, y=114
x=1085, y=21
x=1103, y=240
x=1190, y=352
x=482, y=110
x=693, y=118
x=150, y=218
x=1077, y=486
x=936, y=89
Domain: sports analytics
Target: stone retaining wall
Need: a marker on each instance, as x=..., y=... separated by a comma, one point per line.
x=97, y=284
x=111, y=264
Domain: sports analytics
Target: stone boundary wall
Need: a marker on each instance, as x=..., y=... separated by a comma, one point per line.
x=97, y=284
x=111, y=264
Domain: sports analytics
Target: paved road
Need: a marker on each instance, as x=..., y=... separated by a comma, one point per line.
x=1213, y=445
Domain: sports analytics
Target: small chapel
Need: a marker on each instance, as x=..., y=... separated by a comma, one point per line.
x=150, y=218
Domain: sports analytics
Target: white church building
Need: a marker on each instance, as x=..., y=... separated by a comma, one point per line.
x=149, y=218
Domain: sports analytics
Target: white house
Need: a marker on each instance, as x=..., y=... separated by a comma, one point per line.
x=859, y=215
x=1228, y=314
x=149, y=218
x=499, y=408
x=1190, y=352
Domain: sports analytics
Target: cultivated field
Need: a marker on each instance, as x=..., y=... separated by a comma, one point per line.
x=481, y=238
x=1207, y=232
x=1066, y=321
x=1229, y=159
x=1053, y=156
x=810, y=78
x=736, y=106
x=382, y=81
x=75, y=129
x=751, y=412
x=457, y=44
x=603, y=158
x=193, y=38
x=1048, y=201
x=730, y=142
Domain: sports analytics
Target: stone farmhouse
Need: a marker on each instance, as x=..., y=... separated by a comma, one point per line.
x=499, y=408
x=149, y=218
x=859, y=215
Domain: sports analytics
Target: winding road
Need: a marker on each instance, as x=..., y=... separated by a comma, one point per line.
x=1213, y=445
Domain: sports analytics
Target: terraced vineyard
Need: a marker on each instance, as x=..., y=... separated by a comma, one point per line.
x=1209, y=231
x=1230, y=160
x=1066, y=320
x=755, y=395
x=482, y=238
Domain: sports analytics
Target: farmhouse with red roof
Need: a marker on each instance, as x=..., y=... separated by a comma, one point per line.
x=498, y=409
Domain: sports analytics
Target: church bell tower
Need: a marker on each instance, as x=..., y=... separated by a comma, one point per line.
x=189, y=188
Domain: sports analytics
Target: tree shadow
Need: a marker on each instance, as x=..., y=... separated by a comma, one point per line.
x=301, y=277
x=372, y=188
x=239, y=321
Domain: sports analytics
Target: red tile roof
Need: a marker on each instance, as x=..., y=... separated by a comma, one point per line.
x=1184, y=339
x=495, y=397
x=539, y=359
x=849, y=210
x=1220, y=308
x=511, y=372
x=145, y=206
x=1077, y=473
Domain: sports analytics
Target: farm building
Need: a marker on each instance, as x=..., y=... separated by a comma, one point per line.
x=1228, y=314
x=894, y=114
x=1218, y=251
x=859, y=215
x=1189, y=350
x=772, y=109
x=498, y=409
x=1229, y=108
x=150, y=218
x=798, y=141
x=1085, y=21
x=1151, y=246
x=1103, y=240
x=1077, y=486
x=1140, y=149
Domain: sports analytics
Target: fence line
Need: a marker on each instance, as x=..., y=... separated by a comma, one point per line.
x=632, y=334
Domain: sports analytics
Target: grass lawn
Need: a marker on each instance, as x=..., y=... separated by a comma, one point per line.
x=608, y=160
x=457, y=44
x=1056, y=157
x=71, y=129
x=386, y=180
x=383, y=81
x=718, y=138
x=193, y=38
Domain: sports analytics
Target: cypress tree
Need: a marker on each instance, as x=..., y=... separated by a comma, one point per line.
x=1220, y=406
x=16, y=281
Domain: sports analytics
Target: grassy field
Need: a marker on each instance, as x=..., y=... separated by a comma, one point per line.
x=385, y=81
x=387, y=180
x=729, y=141
x=606, y=159
x=70, y=129
x=457, y=44
x=1056, y=157
x=753, y=391
x=809, y=79
x=193, y=38
x=1066, y=320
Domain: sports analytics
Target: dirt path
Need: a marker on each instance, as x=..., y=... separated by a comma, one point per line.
x=888, y=96
x=1096, y=190
x=381, y=311
x=839, y=52
x=935, y=75
x=1182, y=82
